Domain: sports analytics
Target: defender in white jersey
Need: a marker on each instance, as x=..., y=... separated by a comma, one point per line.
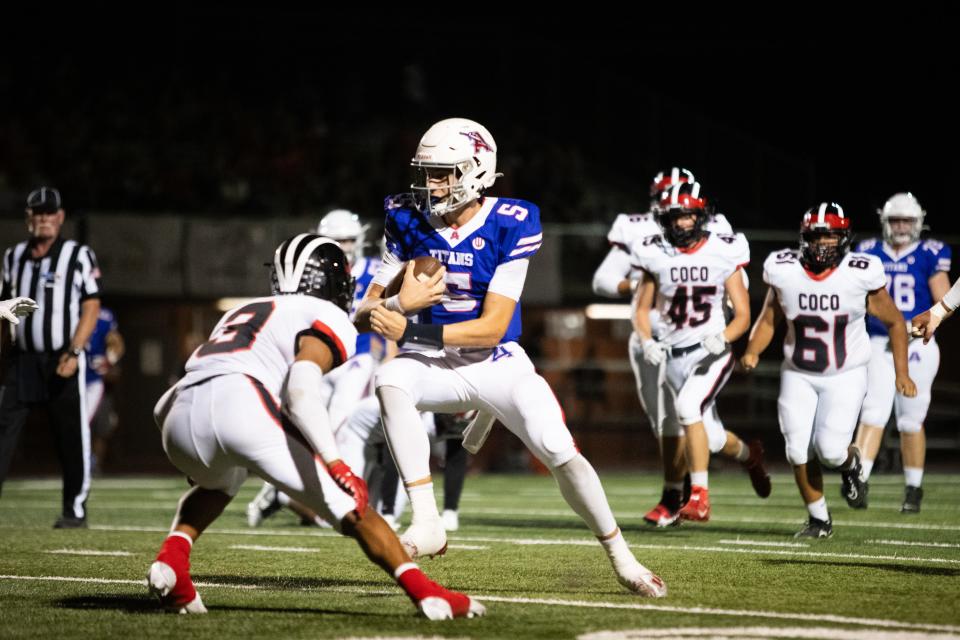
x=687, y=272
x=471, y=358
x=917, y=276
x=249, y=402
x=616, y=277
x=824, y=292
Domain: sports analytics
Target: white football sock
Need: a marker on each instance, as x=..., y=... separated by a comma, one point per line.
x=619, y=553
x=582, y=490
x=867, y=466
x=408, y=441
x=283, y=498
x=913, y=476
x=699, y=479
x=818, y=509
x=744, y=453
x=423, y=504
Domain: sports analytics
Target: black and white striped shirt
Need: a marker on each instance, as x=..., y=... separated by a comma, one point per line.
x=59, y=282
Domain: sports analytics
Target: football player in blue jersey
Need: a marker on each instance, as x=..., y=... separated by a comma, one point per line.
x=465, y=320
x=916, y=278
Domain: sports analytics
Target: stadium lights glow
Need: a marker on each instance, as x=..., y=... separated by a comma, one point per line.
x=608, y=311
x=225, y=304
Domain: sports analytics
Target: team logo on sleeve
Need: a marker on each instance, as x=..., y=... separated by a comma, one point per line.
x=479, y=144
x=478, y=243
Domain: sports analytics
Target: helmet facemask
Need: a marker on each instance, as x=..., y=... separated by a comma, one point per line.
x=901, y=206
x=676, y=235
x=816, y=255
x=323, y=274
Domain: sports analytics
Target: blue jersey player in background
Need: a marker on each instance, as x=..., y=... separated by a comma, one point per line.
x=917, y=277
x=466, y=329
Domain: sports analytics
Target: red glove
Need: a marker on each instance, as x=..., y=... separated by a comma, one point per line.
x=344, y=477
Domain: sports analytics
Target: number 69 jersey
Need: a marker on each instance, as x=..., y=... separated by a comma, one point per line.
x=826, y=332
x=690, y=283
x=260, y=339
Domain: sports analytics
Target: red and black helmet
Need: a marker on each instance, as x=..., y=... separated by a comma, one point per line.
x=666, y=179
x=683, y=198
x=825, y=219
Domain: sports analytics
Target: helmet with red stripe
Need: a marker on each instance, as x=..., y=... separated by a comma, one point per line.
x=825, y=236
x=682, y=214
x=664, y=180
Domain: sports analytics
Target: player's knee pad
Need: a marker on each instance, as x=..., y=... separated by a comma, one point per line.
x=831, y=454
x=909, y=425
x=797, y=455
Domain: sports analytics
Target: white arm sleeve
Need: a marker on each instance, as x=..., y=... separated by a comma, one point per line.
x=390, y=266
x=303, y=405
x=952, y=298
x=614, y=269
x=508, y=279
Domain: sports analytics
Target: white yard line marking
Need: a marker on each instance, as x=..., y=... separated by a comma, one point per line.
x=468, y=547
x=88, y=552
x=767, y=633
x=561, y=542
x=139, y=583
x=761, y=543
x=257, y=547
x=777, y=615
x=906, y=543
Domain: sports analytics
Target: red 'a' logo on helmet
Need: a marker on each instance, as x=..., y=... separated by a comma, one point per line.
x=479, y=144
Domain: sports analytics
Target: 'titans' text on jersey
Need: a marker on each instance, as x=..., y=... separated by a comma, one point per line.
x=826, y=333
x=504, y=230
x=690, y=283
x=908, y=275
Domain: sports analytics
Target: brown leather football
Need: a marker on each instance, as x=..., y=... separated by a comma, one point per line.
x=423, y=268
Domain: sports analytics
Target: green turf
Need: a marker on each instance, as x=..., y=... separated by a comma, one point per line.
x=328, y=589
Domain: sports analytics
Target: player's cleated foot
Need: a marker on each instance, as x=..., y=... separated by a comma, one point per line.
x=816, y=529
x=263, y=506
x=753, y=465
x=662, y=516
x=450, y=520
x=912, y=497
x=175, y=592
x=642, y=581
x=697, y=508
x=425, y=539
x=70, y=522
x=447, y=605
x=853, y=487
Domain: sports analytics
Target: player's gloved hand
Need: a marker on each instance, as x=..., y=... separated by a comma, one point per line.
x=715, y=344
x=906, y=387
x=653, y=352
x=15, y=308
x=420, y=292
x=343, y=475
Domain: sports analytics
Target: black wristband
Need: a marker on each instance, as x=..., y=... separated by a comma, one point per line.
x=428, y=335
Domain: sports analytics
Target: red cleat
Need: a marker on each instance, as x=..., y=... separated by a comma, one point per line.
x=662, y=516
x=697, y=508
x=169, y=578
x=436, y=602
x=759, y=477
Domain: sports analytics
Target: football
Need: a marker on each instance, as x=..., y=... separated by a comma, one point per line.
x=423, y=268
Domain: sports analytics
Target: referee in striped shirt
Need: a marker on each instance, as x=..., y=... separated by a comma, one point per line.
x=45, y=364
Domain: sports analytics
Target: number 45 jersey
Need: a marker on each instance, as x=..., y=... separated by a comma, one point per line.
x=826, y=333
x=261, y=338
x=690, y=283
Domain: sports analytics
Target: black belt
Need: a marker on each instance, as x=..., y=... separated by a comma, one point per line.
x=676, y=352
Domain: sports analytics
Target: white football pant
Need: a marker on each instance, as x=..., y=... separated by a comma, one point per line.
x=882, y=396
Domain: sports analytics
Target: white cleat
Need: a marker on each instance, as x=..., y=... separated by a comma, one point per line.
x=642, y=581
x=450, y=520
x=425, y=538
x=161, y=579
x=436, y=608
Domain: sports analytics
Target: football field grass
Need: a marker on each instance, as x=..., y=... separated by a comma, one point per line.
x=519, y=550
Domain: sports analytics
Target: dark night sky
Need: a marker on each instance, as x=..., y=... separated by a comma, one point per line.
x=833, y=117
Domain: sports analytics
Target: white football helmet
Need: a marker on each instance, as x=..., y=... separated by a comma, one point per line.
x=467, y=151
x=345, y=227
x=902, y=206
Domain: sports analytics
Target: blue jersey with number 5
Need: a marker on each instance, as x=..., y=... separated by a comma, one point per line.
x=503, y=230
x=908, y=275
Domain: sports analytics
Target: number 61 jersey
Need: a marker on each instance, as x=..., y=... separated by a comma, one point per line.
x=261, y=338
x=826, y=332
